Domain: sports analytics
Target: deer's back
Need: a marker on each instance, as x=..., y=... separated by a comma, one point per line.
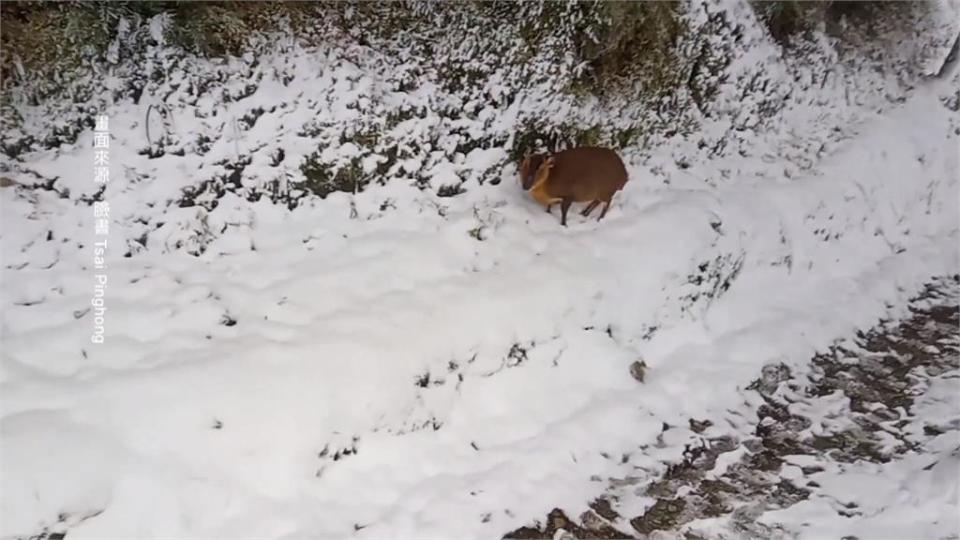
x=587, y=173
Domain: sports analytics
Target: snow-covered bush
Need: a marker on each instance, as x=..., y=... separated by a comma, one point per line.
x=294, y=100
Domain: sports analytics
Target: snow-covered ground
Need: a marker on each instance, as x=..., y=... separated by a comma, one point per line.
x=862, y=441
x=394, y=364
x=435, y=368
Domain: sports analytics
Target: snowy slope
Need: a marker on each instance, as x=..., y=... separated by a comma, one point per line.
x=395, y=364
x=434, y=368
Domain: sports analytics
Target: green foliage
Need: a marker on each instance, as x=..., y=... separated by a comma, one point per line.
x=56, y=37
x=633, y=43
x=787, y=18
x=45, y=38
x=323, y=179
x=216, y=29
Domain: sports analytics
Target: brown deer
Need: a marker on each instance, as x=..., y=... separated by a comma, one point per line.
x=585, y=174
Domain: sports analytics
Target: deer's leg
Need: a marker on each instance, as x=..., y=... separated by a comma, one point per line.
x=564, y=206
x=606, y=206
x=549, y=205
x=589, y=208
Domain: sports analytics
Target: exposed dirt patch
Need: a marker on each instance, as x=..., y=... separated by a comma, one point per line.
x=860, y=393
